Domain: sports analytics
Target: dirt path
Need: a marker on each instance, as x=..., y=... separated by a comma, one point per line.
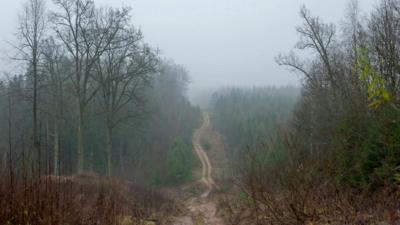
x=201, y=209
x=206, y=176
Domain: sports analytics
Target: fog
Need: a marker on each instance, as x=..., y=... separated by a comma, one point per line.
x=191, y=112
x=221, y=43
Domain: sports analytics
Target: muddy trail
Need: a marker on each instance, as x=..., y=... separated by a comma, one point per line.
x=201, y=209
x=206, y=175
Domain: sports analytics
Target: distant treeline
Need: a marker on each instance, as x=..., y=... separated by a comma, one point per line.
x=250, y=116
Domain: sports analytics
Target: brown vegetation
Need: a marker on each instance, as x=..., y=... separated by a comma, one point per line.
x=84, y=199
x=306, y=195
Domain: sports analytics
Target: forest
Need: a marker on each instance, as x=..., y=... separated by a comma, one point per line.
x=92, y=99
x=97, y=126
x=330, y=155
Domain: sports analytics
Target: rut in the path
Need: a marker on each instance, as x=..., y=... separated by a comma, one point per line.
x=206, y=176
x=201, y=210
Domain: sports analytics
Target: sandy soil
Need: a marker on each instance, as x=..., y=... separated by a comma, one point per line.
x=201, y=209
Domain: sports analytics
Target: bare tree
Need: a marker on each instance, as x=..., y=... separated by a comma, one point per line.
x=314, y=35
x=324, y=75
x=123, y=72
x=353, y=32
x=85, y=36
x=55, y=68
x=384, y=28
x=30, y=33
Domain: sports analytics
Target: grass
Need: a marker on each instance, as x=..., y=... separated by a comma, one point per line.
x=80, y=200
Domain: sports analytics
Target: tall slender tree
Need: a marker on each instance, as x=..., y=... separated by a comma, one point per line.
x=31, y=31
x=55, y=68
x=86, y=35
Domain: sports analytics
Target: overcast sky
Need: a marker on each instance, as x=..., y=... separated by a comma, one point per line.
x=220, y=42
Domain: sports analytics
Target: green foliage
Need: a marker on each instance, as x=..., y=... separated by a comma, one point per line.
x=368, y=146
x=378, y=94
x=397, y=175
x=179, y=164
x=369, y=153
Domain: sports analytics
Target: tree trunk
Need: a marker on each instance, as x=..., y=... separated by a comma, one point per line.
x=91, y=165
x=36, y=146
x=4, y=163
x=56, y=147
x=10, y=144
x=47, y=149
x=80, y=163
x=109, y=149
x=121, y=158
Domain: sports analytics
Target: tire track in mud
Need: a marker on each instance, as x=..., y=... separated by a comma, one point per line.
x=201, y=209
x=206, y=176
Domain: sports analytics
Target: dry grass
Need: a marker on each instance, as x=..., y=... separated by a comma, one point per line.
x=306, y=195
x=79, y=200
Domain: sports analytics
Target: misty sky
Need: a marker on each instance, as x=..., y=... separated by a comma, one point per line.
x=220, y=42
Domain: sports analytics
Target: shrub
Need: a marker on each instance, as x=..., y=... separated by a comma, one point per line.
x=78, y=200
